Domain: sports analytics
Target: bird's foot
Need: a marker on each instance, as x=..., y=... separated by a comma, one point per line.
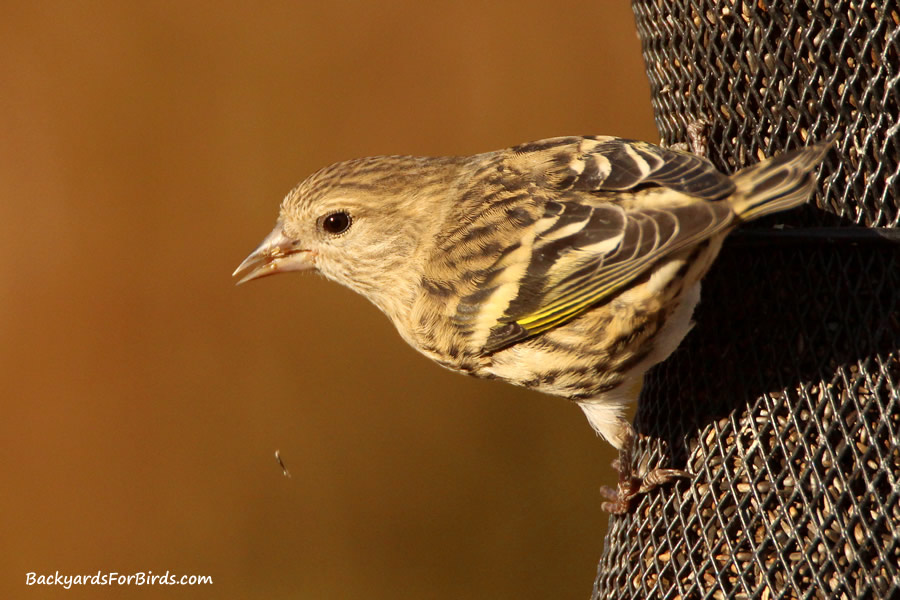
x=697, y=141
x=631, y=485
x=619, y=499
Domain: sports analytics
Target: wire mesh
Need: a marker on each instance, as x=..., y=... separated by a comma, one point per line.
x=784, y=402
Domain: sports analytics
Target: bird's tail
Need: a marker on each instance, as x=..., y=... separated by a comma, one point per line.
x=777, y=184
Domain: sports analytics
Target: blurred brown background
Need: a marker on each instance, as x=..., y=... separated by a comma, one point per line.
x=144, y=148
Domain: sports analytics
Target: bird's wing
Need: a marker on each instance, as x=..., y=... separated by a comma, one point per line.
x=595, y=237
x=615, y=164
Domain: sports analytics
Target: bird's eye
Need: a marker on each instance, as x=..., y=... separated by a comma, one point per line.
x=335, y=223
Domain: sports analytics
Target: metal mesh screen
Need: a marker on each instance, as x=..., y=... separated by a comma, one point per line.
x=784, y=402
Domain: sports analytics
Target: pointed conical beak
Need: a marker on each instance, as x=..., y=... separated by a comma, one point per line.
x=276, y=254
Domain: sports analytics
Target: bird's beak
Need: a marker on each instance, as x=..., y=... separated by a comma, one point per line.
x=276, y=254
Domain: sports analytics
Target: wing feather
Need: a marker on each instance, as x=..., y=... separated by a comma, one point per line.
x=608, y=163
x=591, y=243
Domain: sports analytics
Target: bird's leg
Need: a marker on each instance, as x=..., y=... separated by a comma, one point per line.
x=697, y=142
x=631, y=485
x=628, y=486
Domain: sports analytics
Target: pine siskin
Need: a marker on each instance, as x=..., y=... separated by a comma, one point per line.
x=567, y=265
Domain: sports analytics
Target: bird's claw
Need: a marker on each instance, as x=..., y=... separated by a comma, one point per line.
x=631, y=486
x=619, y=500
x=697, y=140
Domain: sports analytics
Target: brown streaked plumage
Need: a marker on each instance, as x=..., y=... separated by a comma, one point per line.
x=568, y=265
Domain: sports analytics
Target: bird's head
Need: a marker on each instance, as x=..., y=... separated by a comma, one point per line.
x=360, y=223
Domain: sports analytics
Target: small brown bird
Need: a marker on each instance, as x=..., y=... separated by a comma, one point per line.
x=568, y=265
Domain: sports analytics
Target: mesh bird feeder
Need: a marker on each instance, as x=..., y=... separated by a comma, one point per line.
x=784, y=401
